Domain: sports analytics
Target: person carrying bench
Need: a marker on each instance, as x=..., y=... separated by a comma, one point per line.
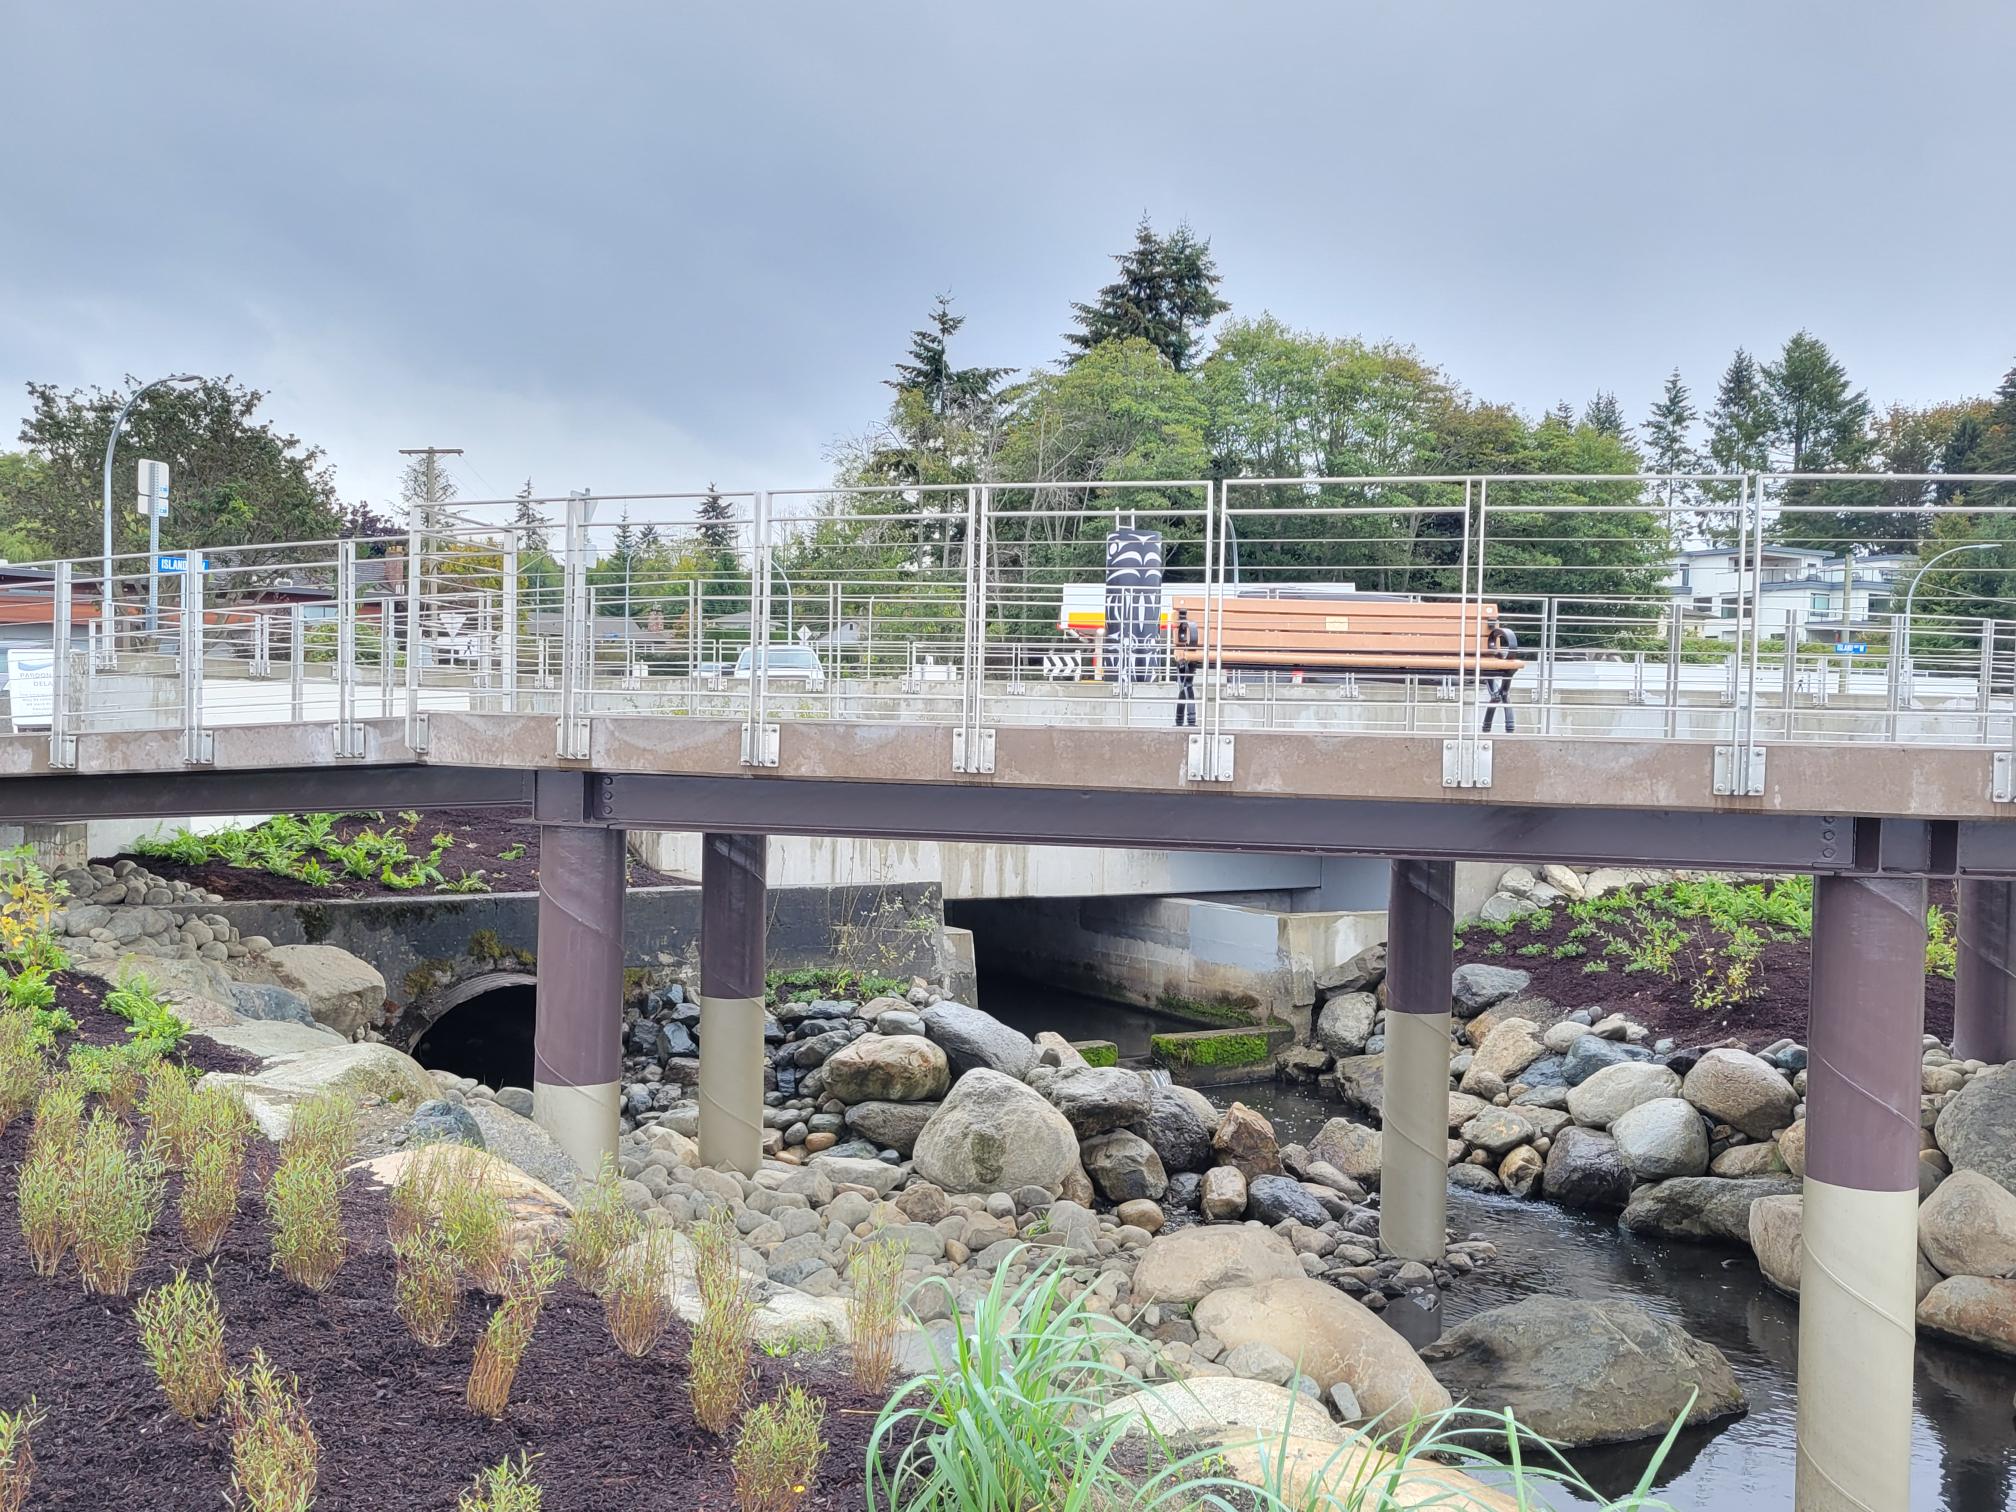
x=1500, y=641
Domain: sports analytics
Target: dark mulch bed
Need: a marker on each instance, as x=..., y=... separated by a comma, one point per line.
x=610, y=1432
x=83, y=997
x=1664, y=1004
x=482, y=836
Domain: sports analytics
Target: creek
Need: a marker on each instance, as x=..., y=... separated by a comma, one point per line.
x=1963, y=1436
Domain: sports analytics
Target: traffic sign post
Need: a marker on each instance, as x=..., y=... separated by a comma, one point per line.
x=1851, y=648
x=152, y=501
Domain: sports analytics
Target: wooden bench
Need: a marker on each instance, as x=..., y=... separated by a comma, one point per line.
x=1346, y=635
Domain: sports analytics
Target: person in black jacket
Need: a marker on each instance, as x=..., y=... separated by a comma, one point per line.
x=1186, y=671
x=1499, y=641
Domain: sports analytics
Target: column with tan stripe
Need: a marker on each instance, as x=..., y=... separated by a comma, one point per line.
x=733, y=913
x=577, y=1045
x=1413, y=1142
x=1859, y=1226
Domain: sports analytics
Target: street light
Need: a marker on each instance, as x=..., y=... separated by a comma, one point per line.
x=111, y=442
x=1912, y=592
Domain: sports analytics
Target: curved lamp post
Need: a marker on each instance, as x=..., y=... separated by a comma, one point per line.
x=1912, y=592
x=105, y=584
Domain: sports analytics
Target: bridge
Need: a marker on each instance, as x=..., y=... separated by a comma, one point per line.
x=937, y=691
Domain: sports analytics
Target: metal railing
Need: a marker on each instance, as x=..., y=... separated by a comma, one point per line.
x=974, y=606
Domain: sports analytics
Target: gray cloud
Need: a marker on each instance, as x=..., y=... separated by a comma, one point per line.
x=636, y=246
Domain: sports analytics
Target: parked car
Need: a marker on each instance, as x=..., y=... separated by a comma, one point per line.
x=783, y=664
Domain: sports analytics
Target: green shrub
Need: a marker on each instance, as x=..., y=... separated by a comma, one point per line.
x=777, y=1452
x=182, y=1332
x=304, y=1201
x=273, y=1450
x=874, y=1309
x=504, y=1487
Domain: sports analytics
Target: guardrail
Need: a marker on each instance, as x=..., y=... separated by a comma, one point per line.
x=1703, y=607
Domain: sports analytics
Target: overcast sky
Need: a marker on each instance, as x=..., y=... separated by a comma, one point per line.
x=641, y=246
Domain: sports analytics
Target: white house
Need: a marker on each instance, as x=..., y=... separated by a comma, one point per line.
x=1798, y=587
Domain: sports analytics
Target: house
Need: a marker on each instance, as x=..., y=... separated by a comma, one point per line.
x=1799, y=587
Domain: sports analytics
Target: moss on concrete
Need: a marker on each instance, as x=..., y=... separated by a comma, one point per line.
x=1216, y=1048
x=1098, y=1052
x=1230, y=1012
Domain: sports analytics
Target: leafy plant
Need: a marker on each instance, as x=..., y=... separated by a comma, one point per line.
x=304, y=1202
x=273, y=1450
x=427, y=1286
x=415, y=1198
x=315, y=874
x=1730, y=972
x=165, y=1102
x=526, y=1282
x=1942, y=956
x=1567, y=951
x=505, y=1487
x=59, y=1118
x=115, y=1196
x=874, y=1310
x=17, y=1455
x=1496, y=947
x=465, y=882
x=717, y=1372
x=637, y=1293
x=602, y=1224
x=28, y=902
x=512, y=852
x=149, y=1021
x=777, y=1453
x=1595, y=968
x=182, y=1333
x=1534, y=949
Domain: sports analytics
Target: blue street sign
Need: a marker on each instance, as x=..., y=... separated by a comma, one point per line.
x=177, y=562
x=1851, y=648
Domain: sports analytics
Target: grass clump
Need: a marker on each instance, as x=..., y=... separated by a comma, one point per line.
x=526, y=1282
x=182, y=1332
x=323, y=1128
x=42, y=1202
x=167, y=1095
x=778, y=1450
x=637, y=1293
x=17, y=1455
x=59, y=1117
x=415, y=1199
x=427, y=1288
x=216, y=1134
x=601, y=1227
x=505, y=1487
x=115, y=1196
x=874, y=1310
x=20, y=1066
x=476, y=1222
x=273, y=1449
x=304, y=1201
x=718, y=1363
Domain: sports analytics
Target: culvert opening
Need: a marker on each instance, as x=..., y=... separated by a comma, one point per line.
x=488, y=1037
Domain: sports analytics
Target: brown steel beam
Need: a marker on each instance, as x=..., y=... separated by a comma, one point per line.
x=73, y=798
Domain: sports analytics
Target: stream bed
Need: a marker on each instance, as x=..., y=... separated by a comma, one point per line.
x=1964, y=1436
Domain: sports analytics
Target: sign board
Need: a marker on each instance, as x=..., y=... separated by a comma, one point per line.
x=31, y=686
x=1851, y=648
x=177, y=562
x=152, y=497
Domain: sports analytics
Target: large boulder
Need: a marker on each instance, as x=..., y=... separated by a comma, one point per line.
x=270, y=1004
x=1507, y=1050
x=538, y=1214
x=1097, y=1098
x=1584, y=1372
x=343, y=991
x=1792, y=1148
x=1351, y=1147
x=1662, y=1138
x=1499, y=1131
x=1331, y=1337
x=1742, y=1090
x=888, y=1068
x=1701, y=1207
x=1615, y=1090
x=1474, y=987
x=1123, y=1166
x=1346, y=1023
x=979, y=1041
x=1589, y=1053
x=1967, y=1227
x=1585, y=1170
x=1176, y=1128
x=1245, y=1139
x=1974, y=1309
x=513, y=1137
x=1361, y=1082
x=894, y=1125
x=1977, y=1129
x=1775, y=1228
x=1193, y=1263
x=1361, y=973
x=1277, y=1199
x=358, y=1070
x=993, y=1134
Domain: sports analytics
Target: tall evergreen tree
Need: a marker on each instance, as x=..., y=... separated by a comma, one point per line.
x=625, y=550
x=1669, y=436
x=1739, y=427
x=1166, y=294
x=946, y=391
x=1604, y=414
x=716, y=532
x=531, y=524
x=1818, y=423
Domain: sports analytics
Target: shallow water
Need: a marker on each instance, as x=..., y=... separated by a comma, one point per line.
x=1964, y=1435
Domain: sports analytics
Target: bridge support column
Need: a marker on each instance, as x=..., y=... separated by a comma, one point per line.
x=1984, y=990
x=1858, y=1266
x=1413, y=1145
x=577, y=1045
x=732, y=917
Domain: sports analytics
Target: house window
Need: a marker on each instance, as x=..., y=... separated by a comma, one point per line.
x=1704, y=605
x=1882, y=604
x=1820, y=603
